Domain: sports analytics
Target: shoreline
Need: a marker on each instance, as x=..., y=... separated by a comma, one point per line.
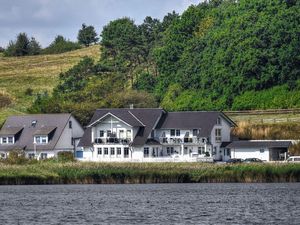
x=145, y=173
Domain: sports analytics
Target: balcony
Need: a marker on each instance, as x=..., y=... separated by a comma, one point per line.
x=177, y=141
x=112, y=140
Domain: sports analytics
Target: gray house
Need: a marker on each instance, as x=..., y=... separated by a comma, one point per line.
x=40, y=135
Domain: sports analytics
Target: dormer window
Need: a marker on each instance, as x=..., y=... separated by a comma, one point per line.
x=41, y=139
x=7, y=140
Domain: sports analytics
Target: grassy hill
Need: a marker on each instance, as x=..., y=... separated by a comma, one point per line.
x=40, y=73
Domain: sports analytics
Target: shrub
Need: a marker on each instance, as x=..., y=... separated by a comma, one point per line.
x=60, y=45
x=16, y=156
x=5, y=100
x=29, y=92
x=65, y=156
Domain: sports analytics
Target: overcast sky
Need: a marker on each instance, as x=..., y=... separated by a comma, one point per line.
x=44, y=19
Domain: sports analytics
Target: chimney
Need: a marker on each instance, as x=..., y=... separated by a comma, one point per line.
x=131, y=106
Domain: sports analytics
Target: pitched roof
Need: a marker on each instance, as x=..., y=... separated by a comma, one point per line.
x=123, y=114
x=259, y=144
x=45, y=123
x=143, y=118
x=10, y=130
x=203, y=120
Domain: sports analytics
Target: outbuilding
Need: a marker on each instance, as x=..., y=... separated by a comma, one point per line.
x=266, y=150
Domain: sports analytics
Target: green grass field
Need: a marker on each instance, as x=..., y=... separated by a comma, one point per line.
x=50, y=172
x=39, y=73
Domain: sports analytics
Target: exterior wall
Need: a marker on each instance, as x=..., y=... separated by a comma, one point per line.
x=225, y=137
x=244, y=153
x=65, y=140
x=113, y=124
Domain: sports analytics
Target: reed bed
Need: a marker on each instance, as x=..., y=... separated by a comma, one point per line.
x=117, y=173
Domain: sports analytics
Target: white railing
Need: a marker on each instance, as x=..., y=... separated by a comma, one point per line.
x=112, y=140
x=193, y=140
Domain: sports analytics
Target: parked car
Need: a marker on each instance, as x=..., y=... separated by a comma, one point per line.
x=293, y=159
x=252, y=160
x=234, y=160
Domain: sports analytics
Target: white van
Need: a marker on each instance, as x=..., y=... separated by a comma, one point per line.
x=294, y=159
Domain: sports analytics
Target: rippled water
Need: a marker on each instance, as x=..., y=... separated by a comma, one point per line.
x=151, y=204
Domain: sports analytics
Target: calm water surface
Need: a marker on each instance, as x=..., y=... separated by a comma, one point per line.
x=151, y=204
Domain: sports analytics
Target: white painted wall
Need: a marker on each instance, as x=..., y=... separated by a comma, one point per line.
x=244, y=153
x=112, y=123
x=225, y=137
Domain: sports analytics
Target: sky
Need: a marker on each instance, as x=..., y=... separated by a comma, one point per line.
x=44, y=19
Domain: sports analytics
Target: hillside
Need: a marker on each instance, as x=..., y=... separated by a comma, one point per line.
x=40, y=73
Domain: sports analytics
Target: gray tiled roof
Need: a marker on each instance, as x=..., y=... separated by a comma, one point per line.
x=10, y=130
x=45, y=122
x=144, y=119
x=123, y=114
x=259, y=144
x=202, y=120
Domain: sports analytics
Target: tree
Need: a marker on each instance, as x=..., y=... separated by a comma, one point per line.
x=34, y=47
x=87, y=35
x=22, y=45
x=122, y=46
x=60, y=45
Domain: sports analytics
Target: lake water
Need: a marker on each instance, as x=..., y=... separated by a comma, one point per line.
x=151, y=204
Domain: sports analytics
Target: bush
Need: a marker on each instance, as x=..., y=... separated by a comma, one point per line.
x=65, y=156
x=29, y=92
x=5, y=100
x=16, y=156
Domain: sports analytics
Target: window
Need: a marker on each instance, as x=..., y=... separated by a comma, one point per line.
x=195, y=132
x=105, y=151
x=121, y=133
x=31, y=155
x=177, y=132
x=99, y=151
x=185, y=151
x=128, y=134
x=101, y=133
x=219, y=121
x=112, y=151
x=172, y=132
x=146, y=152
x=126, y=152
x=43, y=156
x=218, y=135
x=228, y=151
x=41, y=139
x=118, y=151
x=70, y=124
x=10, y=140
x=109, y=133
x=33, y=123
x=201, y=150
x=4, y=140
x=261, y=150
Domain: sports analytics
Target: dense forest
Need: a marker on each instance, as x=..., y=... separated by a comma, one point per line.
x=217, y=55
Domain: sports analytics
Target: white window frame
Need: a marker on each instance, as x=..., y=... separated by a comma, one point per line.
x=41, y=139
x=218, y=135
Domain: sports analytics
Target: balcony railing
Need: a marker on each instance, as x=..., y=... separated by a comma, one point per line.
x=187, y=140
x=112, y=140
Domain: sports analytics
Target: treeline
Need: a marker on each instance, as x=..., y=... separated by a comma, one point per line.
x=218, y=55
x=23, y=45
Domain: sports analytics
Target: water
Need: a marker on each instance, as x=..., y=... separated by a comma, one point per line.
x=151, y=204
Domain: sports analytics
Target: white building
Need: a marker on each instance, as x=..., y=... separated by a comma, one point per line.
x=40, y=135
x=154, y=135
x=266, y=150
